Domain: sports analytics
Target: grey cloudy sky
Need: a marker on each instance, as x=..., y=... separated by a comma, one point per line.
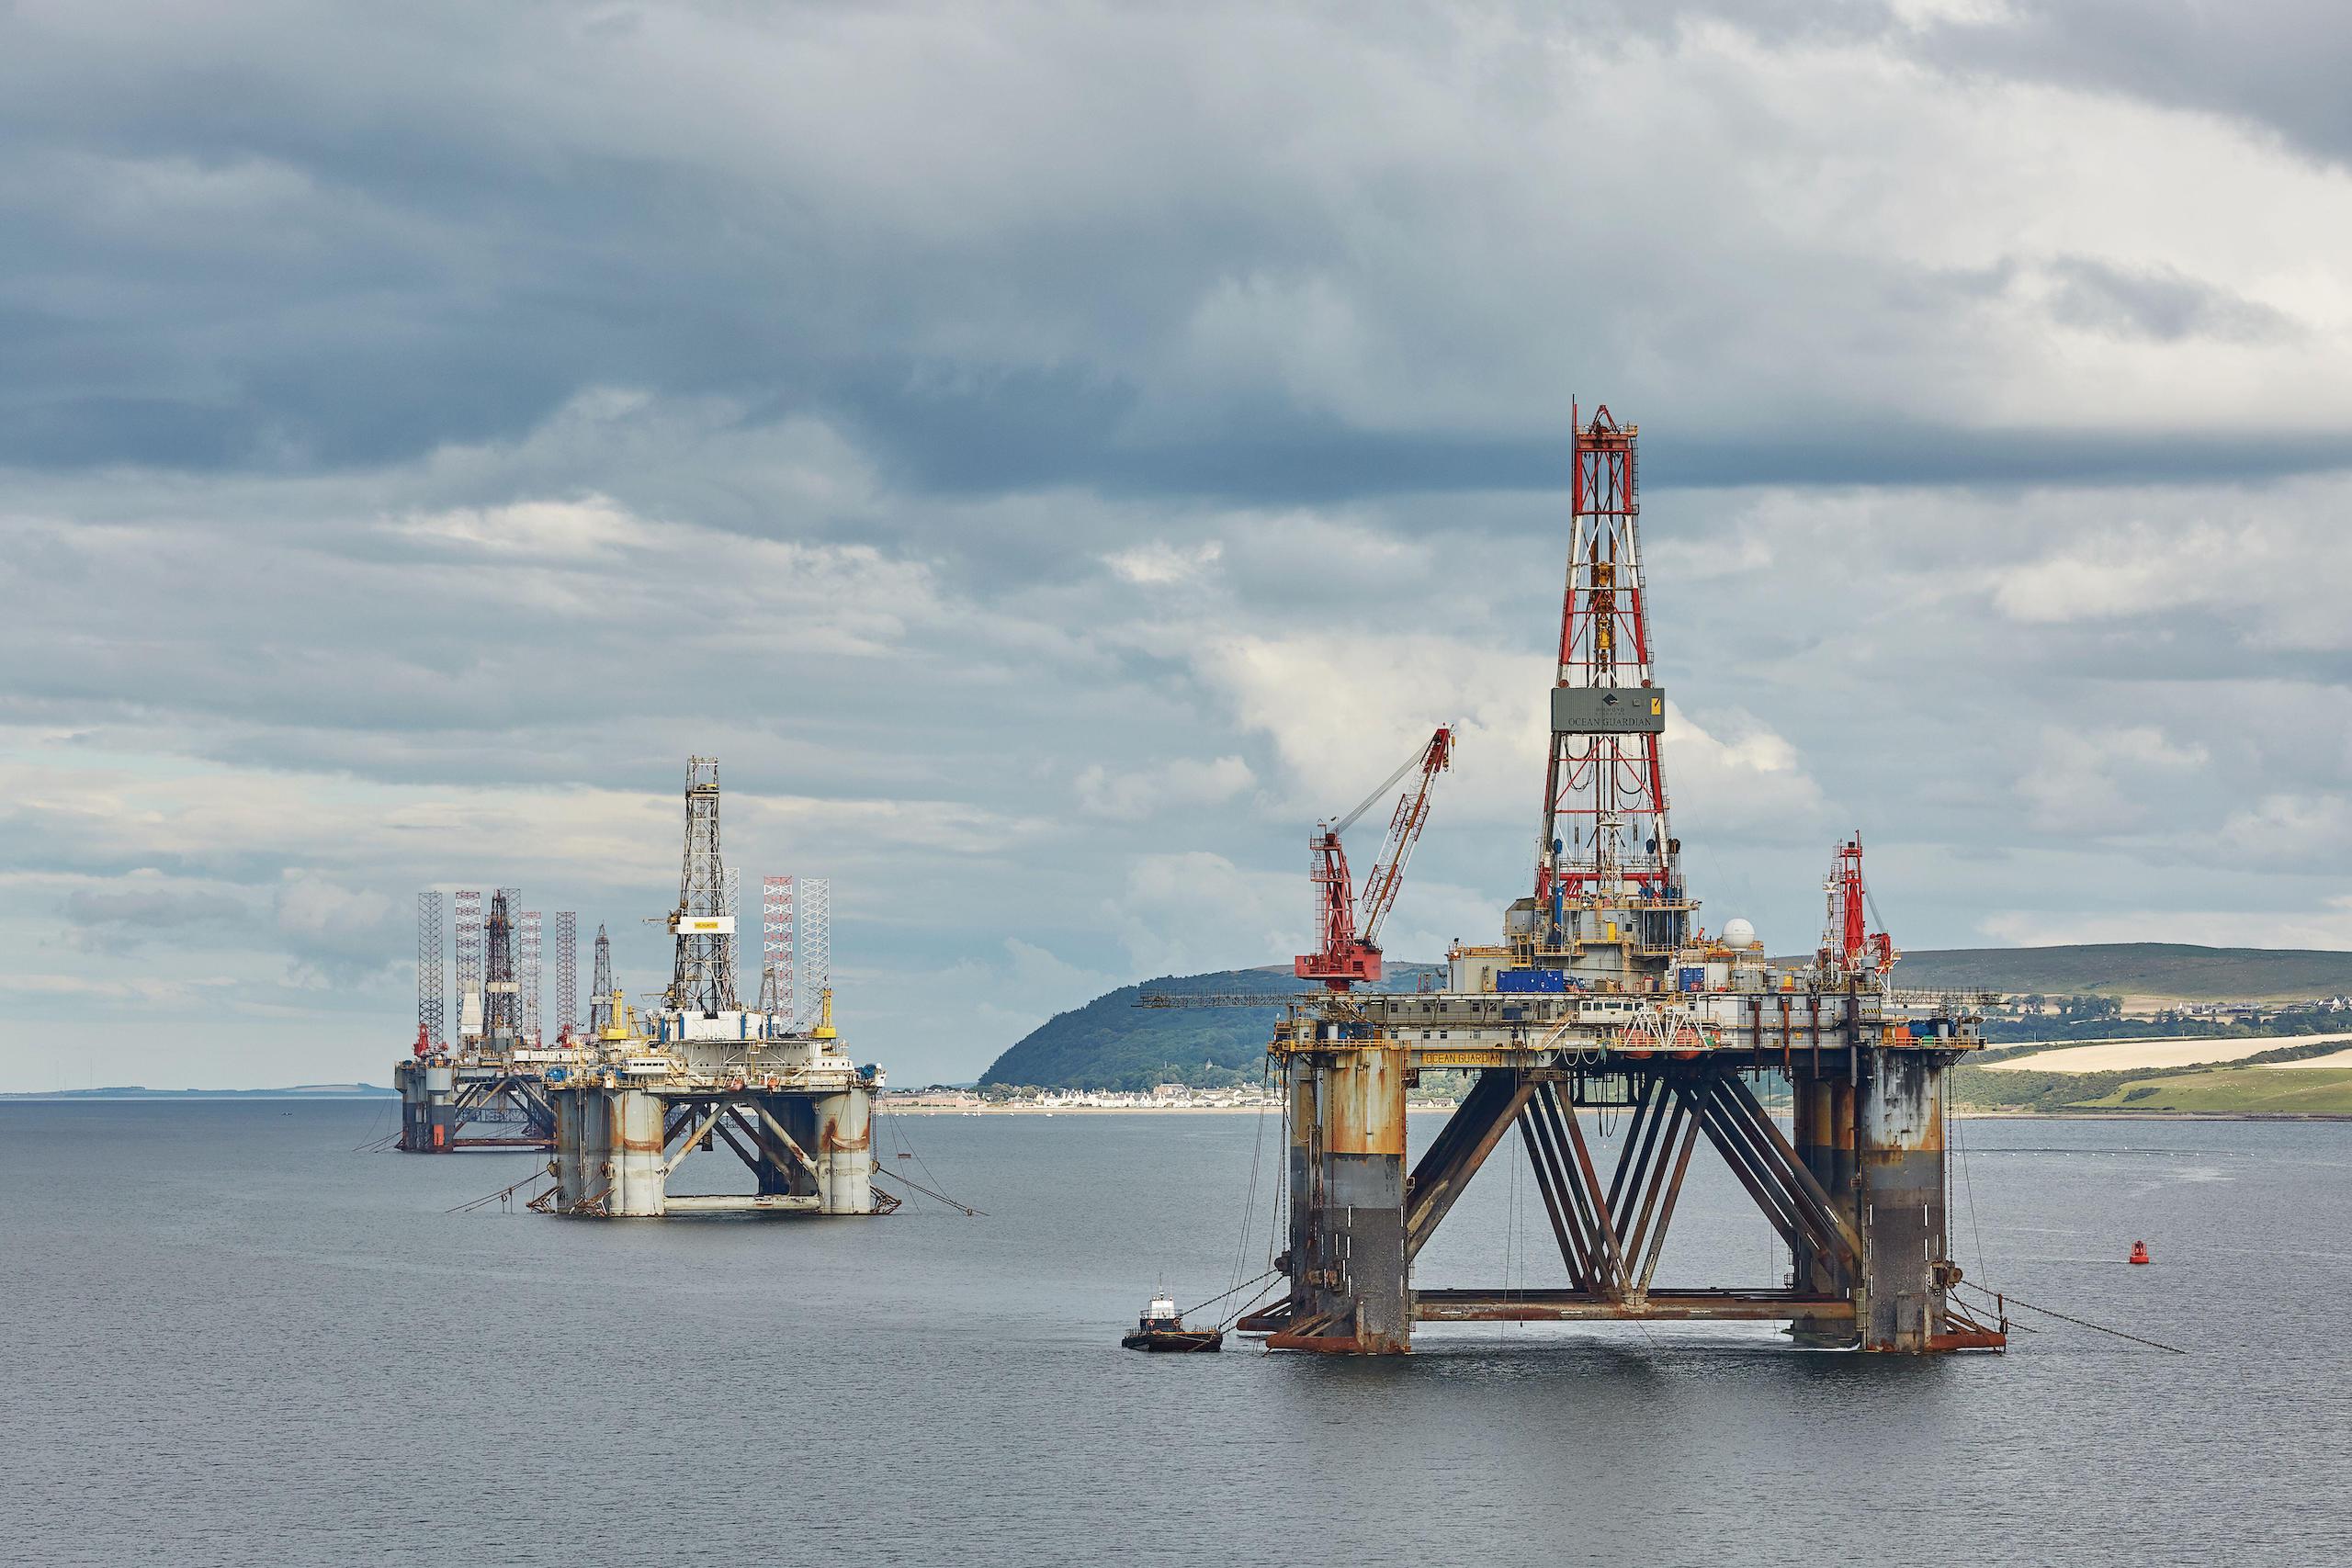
x=1049, y=454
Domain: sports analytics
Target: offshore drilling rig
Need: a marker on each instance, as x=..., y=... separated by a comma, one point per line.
x=1606, y=992
x=632, y=1102
x=487, y=1079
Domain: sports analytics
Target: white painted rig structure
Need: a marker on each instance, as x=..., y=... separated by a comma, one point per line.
x=632, y=1102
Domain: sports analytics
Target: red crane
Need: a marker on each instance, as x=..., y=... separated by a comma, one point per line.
x=1846, y=944
x=1350, y=950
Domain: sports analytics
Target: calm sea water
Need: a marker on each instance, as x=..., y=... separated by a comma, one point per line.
x=231, y=1338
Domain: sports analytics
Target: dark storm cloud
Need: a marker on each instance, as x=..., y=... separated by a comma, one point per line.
x=295, y=242
x=137, y=917
x=2282, y=64
x=2153, y=303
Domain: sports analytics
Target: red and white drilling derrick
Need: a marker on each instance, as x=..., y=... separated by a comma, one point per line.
x=1609, y=891
x=1348, y=947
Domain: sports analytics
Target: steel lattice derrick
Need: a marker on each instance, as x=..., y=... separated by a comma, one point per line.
x=469, y=930
x=502, y=1017
x=432, y=1006
x=567, y=974
x=600, y=998
x=816, y=934
x=1605, y=821
x=779, y=971
x=703, y=971
x=528, y=938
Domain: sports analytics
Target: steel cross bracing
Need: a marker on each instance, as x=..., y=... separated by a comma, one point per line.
x=1853, y=1189
x=809, y=1152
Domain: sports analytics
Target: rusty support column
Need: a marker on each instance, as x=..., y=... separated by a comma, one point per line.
x=571, y=1173
x=1899, y=1301
x=1825, y=1143
x=1349, y=1258
x=845, y=1153
x=639, y=1182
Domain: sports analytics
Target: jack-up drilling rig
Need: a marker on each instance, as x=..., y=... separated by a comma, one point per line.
x=486, y=1092
x=1349, y=950
x=1605, y=992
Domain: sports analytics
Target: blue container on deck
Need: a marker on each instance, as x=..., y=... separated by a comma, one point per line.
x=1691, y=977
x=1525, y=982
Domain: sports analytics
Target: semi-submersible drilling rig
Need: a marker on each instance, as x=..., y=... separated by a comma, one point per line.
x=1606, y=992
x=702, y=1069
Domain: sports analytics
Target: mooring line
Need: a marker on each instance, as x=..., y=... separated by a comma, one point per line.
x=2004, y=1298
x=1248, y=1284
x=966, y=1209
x=489, y=1197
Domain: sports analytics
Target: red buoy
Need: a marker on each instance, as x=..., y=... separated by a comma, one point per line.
x=2139, y=1252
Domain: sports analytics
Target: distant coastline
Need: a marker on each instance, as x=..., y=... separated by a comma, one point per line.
x=139, y=1091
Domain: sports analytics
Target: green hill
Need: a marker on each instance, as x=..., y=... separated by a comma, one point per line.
x=1112, y=1044
x=2172, y=970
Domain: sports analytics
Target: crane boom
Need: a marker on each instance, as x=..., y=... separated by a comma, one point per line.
x=1404, y=832
x=1348, y=951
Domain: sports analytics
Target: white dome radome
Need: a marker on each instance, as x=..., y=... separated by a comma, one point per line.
x=1739, y=933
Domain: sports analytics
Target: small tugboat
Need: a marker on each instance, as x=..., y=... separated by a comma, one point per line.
x=1163, y=1328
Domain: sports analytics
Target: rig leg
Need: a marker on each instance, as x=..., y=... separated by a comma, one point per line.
x=1900, y=1143
x=1349, y=1258
x=428, y=1107
x=1824, y=1139
x=845, y=1153
x=571, y=1178
x=636, y=1120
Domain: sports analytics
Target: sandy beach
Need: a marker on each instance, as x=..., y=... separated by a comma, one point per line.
x=2132, y=1056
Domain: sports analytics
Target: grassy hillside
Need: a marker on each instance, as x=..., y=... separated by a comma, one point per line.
x=2135, y=968
x=2236, y=1091
x=2214, y=1091
x=1112, y=1044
